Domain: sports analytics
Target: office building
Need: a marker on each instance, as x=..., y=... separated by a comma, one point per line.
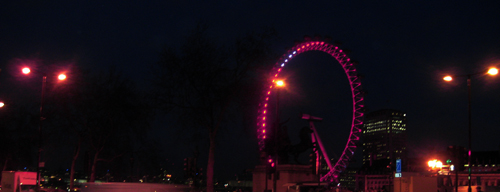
x=384, y=137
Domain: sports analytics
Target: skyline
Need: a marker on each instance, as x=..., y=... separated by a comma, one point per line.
x=403, y=49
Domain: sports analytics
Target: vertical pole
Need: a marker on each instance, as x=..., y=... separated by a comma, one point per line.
x=44, y=82
x=456, y=171
x=470, y=131
x=276, y=139
x=265, y=171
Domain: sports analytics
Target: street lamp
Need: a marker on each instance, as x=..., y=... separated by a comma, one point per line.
x=490, y=71
x=62, y=76
x=279, y=85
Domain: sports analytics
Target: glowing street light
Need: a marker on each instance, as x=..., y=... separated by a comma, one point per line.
x=448, y=78
x=280, y=83
x=491, y=71
x=61, y=77
x=26, y=70
x=2, y=104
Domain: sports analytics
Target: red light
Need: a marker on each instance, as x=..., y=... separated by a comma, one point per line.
x=341, y=50
x=307, y=45
x=264, y=131
x=272, y=164
x=264, y=137
x=267, y=98
x=269, y=92
x=264, y=118
x=263, y=125
x=26, y=70
x=303, y=46
x=265, y=111
x=276, y=75
x=298, y=49
x=279, y=70
x=265, y=105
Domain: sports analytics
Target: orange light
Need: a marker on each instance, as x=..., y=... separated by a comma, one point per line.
x=280, y=83
x=435, y=164
x=448, y=78
x=61, y=77
x=26, y=70
x=493, y=71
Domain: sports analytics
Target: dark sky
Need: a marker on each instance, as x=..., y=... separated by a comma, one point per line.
x=403, y=49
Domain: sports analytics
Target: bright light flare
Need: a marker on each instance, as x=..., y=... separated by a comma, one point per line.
x=61, y=77
x=435, y=164
x=26, y=70
x=439, y=164
x=431, y=163
x=2, y=104
x=280, y=83
x=493, y=71
x=448, y=78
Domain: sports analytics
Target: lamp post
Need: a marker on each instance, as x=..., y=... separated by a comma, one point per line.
x=491, y=71
x=61, y=77
x=279, y=85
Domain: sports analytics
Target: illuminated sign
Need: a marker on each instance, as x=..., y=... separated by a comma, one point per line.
x=397, y=175
x=398, y=165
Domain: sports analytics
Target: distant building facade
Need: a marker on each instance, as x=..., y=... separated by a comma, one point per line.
x=384, y=136
x=347, y=178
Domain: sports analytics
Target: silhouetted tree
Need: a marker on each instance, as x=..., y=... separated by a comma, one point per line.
x=107, y=113
x=204, y=83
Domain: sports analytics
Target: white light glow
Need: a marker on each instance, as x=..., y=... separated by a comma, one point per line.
x=26, y=70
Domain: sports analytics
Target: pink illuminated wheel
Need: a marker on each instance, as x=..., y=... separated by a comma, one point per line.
x=357, y=100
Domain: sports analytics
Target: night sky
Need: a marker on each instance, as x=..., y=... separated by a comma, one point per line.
x=403, y=50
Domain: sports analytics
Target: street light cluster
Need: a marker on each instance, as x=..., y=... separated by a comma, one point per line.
x=27, y=70
x=491, y=71
x=61, y=77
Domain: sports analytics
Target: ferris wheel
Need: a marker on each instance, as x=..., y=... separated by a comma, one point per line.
x=357, y=102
